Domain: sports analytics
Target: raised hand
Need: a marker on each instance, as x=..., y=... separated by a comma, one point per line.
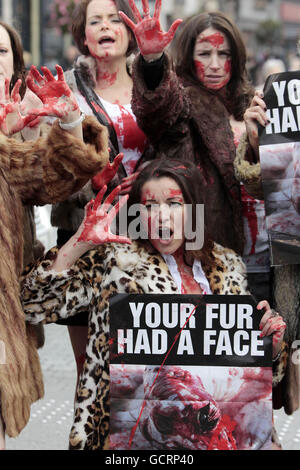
x=151, y=39
x=108, y=173
x=57, y=98
x=98, y=218
x=11, y=119
x=272, y=324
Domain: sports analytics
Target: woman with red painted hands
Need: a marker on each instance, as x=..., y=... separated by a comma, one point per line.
x=196, y=112
x=160, y=258
x=34, y=172
x=102, y=84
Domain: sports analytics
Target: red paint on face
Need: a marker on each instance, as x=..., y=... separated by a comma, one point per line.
x=200, y=70
x=227, y=66
x=174, y=193
x=102, y=21
x=216, y=40
x=164, y=214
x=212, y=59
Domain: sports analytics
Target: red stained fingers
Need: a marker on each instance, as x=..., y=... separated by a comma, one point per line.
x=108, y=172
x=6, y=89
x=99, y=197
x=110, y=198
x=273, y=325
x=115, y=209
x=47, y=74
x=157, y=9
x=135, y=11
x=173, y=29
x=36, y=74
x=31, y=84
x=15, y=94
x=117, y=161
x=146, y=9
x=127, y=21
x=60, y=73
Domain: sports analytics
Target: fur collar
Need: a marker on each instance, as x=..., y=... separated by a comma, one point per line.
x=138, y=263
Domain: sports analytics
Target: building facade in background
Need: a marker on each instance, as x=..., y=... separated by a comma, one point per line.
x=270, y=27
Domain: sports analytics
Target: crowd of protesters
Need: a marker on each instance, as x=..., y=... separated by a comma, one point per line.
x=133, y=121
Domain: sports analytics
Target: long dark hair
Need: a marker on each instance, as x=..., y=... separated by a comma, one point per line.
x=79, y=22
x=239, y=89
x=19, y=65
x=186, y=175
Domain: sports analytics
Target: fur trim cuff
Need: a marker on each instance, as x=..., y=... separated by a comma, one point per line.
x=247, y=173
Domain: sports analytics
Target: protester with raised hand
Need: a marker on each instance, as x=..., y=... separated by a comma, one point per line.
x=39, y=171
x=102, y=84
x=95, y=264
x=196, y=112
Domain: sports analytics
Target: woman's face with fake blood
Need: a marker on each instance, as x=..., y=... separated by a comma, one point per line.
x=106, y=36
x=6, y=56
x=163, y=214
x=212, y=58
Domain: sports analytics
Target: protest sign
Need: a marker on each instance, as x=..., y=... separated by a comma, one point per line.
x=188, y=372
x=280, y=164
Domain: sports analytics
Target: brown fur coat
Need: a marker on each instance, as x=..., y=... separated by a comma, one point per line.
x=188, y=122
x=33, y=172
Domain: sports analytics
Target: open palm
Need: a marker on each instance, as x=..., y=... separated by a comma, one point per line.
x=149, y=35
x=98, y=218
x=11, y=119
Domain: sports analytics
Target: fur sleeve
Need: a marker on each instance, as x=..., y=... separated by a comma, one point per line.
x=157, y=111
x=48, y=296
x=229, y=276
x=53, y=167
x=246, y=172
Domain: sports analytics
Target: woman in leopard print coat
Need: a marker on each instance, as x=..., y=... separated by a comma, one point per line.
x=73, y=279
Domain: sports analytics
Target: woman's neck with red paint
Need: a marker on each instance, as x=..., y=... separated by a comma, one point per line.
x=112, y=74
x=179, y=257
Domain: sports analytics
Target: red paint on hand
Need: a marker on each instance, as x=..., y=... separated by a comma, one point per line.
x=108, y=173
x=56, y=96
x=98, y=218
x=150, y=38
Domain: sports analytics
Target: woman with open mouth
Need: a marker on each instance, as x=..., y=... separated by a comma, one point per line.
x=96, y=264
x=194, y=111
x=102, y=84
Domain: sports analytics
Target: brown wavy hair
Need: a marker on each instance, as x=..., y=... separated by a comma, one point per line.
x=19, y=65
x=186, y=175
x=239, y=89
x=79, y=22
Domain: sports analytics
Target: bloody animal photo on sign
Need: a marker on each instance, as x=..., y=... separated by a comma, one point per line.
x=189, y=372
x=195, y=408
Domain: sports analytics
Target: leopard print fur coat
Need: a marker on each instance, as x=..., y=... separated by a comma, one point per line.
x=90, y=283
